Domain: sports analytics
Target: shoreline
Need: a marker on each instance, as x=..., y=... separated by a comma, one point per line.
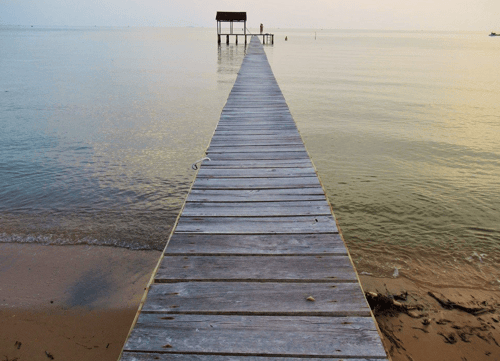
x=78, y=302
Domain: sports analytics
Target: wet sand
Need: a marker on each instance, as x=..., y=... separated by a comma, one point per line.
x=78, y=303
x=436, y=323
x=69, y=302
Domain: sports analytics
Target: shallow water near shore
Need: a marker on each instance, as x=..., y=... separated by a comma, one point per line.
x=100, y=127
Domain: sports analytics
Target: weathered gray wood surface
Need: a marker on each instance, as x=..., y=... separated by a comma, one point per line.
x=256, y=195
x=252, y=149
x=261, y=155
x=331, y=299
x=257, y=225
x=267, y=244
x=261, y=209
x=134, y=356
x=256, y=268
x=256, y=173
x=251, y=164
x=256, y=183
x=255, y=240
x=257, y=335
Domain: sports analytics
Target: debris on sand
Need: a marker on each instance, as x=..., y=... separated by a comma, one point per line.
x=387, y=305
x=449, y=305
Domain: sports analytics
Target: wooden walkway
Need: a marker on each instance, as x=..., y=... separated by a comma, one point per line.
x=256, y=269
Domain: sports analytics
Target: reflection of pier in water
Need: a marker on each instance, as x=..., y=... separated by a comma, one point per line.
x=229, y=59
x=256, y=265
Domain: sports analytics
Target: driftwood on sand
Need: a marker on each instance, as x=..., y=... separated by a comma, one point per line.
x=449, y=305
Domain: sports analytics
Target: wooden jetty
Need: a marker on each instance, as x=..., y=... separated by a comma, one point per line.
x=237, y=17
x=256, y=269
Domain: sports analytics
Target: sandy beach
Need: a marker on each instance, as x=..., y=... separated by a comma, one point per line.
x=433, y=323
x=69, y=302
x=78, y=303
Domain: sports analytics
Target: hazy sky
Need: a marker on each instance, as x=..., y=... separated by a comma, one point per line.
x=333, y=14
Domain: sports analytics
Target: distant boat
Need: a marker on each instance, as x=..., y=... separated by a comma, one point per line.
x=494, y=34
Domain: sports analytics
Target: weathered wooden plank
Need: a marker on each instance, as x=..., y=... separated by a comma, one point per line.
x=256, y=111
x=257, y=335
x=268, y=120
x=242, y=125
x=259, y=156
x=222, y=137
x=140, y=356
x=258, y=95
x=248, y=125
x=256, y=183
x=257, y=225
x=255, y=298
x=256, y=268
x=247, y=85
x=256, y=132
x=262, y=163
x=205, y=172
x=253, y=149
x=272, y=102
x=232, y=143
x=275, y=132
x=253, y=209
x=283, y=127
x=268, y=244
x=271, y=118
x=240, y=106
x=264, y=120
x=255, y=195
x=253, y=139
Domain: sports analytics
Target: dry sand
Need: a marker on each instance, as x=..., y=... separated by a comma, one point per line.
x=78, y=303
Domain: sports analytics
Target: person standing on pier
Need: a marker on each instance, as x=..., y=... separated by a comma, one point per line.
x=261, y=28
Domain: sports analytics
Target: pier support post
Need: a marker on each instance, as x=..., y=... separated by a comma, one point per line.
x=218, y=39
x=227, y=39
x=236, y=39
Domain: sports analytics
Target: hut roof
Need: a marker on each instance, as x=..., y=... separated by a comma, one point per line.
x=231, y=16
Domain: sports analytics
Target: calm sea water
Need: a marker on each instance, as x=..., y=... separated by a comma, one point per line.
x=99, y=127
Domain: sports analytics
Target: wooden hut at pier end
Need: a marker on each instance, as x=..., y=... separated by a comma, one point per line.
x=231, y=17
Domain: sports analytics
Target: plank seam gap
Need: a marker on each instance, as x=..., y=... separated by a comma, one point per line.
x=254, y=234
x=256, y=280
x=366, y=314
x=339, y=254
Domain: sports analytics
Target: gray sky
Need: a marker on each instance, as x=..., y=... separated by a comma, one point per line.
x=481, y=15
